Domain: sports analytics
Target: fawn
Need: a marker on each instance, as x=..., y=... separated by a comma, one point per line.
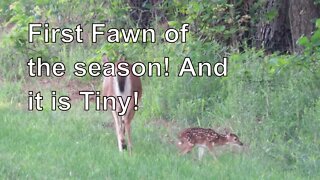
x=204, y=138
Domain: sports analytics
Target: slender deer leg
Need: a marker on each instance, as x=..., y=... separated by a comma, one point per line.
x=116, y=122
x=122, y=132
x=200, y=152
x=185, y=148
x=212, y=153
x=185, y=151
x=127, y=123
x=210, y=148
x=128, y=131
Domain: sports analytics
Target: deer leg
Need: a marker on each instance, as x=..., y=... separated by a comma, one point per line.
x=127, y=125
x=214, y=155
x=200, y=152
x=185, y=151
x=116, y=122
x=212, y=152
x=128, y=131
x=210, y=146
x=185, y=148
x=122, y=132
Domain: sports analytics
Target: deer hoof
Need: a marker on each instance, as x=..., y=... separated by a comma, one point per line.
x=124, y=146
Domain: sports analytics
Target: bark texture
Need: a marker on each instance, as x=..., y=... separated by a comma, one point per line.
x=275, y=35
x=294, y=19
x=303, y=15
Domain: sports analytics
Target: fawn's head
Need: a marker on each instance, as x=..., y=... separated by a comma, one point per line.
x=233, y=139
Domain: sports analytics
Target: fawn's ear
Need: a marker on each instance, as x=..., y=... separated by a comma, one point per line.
x=226, y=131
x=105, y=58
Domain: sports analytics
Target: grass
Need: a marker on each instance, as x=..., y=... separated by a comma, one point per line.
x=77, y=144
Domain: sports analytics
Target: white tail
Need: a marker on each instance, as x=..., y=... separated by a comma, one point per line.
x=118, y=86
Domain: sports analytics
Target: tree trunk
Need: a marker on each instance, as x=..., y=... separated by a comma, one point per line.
x=275, y=34
x=294, y=18
x=302, y=16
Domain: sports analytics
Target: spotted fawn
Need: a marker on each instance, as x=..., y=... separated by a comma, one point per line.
x=204, y=138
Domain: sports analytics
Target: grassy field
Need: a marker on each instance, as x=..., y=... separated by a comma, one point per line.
x=78, y=144
x=82, y=145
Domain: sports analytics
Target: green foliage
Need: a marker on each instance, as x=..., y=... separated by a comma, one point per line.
x=20, y=13
x=21, y=18
x=208, y=20
x=272, y=14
